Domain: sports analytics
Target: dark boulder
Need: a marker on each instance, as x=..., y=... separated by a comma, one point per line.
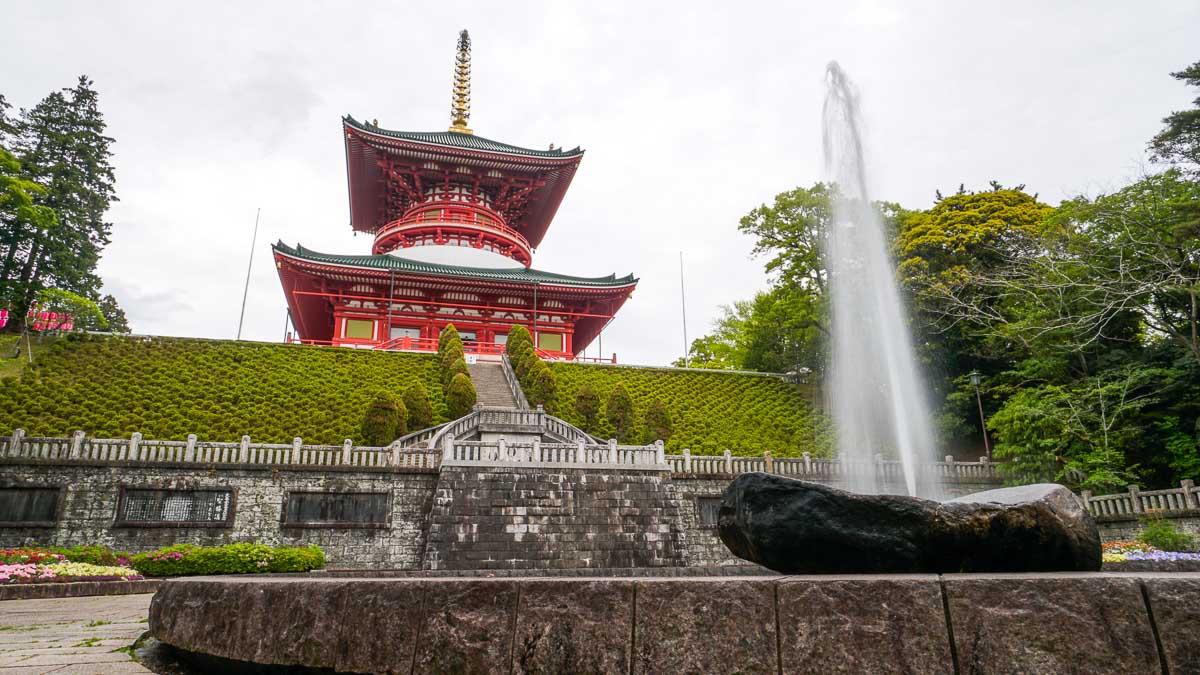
x=798, y=527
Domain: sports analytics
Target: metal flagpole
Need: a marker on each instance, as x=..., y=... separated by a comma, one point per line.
x=249, y=265
x=683, y=308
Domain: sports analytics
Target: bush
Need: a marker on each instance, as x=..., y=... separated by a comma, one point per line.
x=1164, y=536
x=518, y=342
x=189, y=560
x=543, y=387
x=658, y=423
x=385, y=420
x=526, y=361
x=93, y=555
x=416, y=402
x=587, y=406
x=447, y=337
x=457, y=367
x=460, y=396
x=619, y=412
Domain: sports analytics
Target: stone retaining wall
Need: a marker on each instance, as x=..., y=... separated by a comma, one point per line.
x=524, y=518
x=1047, y=623
x=89, y=504
x=1126, y=528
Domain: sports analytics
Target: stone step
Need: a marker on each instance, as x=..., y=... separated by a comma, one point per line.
x=491, y=387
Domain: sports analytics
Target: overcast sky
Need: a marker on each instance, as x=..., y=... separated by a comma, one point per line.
x=691, y=113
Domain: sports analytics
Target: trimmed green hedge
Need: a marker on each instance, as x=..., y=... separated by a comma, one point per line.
x=709, y=411
x=188, y=560
x=170, y=387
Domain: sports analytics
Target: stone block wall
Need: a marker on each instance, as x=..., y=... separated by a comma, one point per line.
x=529, y=518
x=1114, y=528
x=89, y=508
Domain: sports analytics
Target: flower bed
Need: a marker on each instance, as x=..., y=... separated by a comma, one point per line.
x=1132, y=551
x=64, y=572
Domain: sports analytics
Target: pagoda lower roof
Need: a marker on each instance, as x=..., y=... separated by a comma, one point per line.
x=389, y=262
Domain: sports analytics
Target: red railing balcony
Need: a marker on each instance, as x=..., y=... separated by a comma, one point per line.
x=450, y=222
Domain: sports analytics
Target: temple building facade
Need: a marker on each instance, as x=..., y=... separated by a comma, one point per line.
x=456, y=219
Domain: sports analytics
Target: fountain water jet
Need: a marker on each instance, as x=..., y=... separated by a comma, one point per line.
x=877, y=396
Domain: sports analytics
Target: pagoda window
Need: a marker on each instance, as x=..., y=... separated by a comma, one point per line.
x=404, y=332
x=500, y=339
x=360, y=329
x=467, y=335
x=551, y=342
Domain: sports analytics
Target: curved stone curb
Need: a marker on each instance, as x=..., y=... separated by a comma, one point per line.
x=76, y=589
x=1028, y=623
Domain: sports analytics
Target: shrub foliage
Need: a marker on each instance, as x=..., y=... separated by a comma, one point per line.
x=657, y=423
x=170, y=387
x=188, y=560
x=385, y=421
x=709, y=411
x=416, y=402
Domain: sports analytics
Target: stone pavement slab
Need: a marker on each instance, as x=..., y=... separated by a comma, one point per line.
x=71, y=636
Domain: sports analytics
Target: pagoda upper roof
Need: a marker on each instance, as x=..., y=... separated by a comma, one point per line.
x=391, y=262
x=539, y=177
x=452, y=139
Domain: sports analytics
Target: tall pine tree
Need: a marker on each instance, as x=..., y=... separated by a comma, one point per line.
x=61, y=145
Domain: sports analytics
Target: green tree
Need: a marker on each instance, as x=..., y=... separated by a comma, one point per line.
x=460, y=396
x=60, y=143
x=658, y=425
x=384, y=420
x=416, y=402
x=518, y=341
x=543, y=387
x=22, y=219
x=457, y=367
x=619, y=412
x=1179, y=142
x=71, y=309
x=446, y=337
x=587, y=406
x=114, y=316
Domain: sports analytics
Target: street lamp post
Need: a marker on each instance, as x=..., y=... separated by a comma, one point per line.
x=976, y=378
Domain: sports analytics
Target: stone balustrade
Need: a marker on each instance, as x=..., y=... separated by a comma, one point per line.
x=578, y=455
x=80, y=448
x=1137, y=503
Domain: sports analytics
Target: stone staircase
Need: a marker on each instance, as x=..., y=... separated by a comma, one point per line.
x=491, y=388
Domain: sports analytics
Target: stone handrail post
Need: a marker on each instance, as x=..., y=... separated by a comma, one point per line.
x=244, y=450
x=580, y=451
x=660, y=454
x=536, y=451
x=1086, y=496
x=728, y=461
x=448, y=447
x=612, y=451
x=769, y=460
x=687, y=460
x=1190, y=498
x=189, y=453
x=807, y=462
x=346, y=445
x=501, y=450
x=76, y=444
x=135, y=439
x=14, y=445
x=1136, y=497
x=951, y=470
x=297, y=442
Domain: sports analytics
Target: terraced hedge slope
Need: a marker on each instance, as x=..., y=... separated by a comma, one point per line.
x=219, y=390
x=710, y=410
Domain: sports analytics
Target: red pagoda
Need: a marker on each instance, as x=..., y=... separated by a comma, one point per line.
x=456, y=219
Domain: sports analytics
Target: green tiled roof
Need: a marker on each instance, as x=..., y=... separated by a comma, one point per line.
x=391, y=262
x=457, y=140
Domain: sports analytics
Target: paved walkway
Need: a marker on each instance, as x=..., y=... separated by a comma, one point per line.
x=71, y=636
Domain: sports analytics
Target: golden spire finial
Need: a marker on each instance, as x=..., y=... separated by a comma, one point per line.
x=460, y=108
